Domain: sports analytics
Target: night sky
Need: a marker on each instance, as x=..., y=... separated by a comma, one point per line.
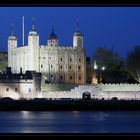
x=117, y=28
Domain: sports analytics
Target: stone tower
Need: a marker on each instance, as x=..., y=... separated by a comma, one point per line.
x=78, y=38
x=33, y=44
x=53, y=40
x=12, y=43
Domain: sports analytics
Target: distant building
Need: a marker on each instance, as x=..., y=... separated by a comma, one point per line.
x=59, y=64
x=27, y=85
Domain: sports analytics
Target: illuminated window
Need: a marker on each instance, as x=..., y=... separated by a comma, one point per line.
x=7, y=89
x=51, y=76
x=29, y=89
x=16, y=89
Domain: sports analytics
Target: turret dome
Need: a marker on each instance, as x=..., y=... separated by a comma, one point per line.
x=12, y=36
x=53, y=35
x=33, y=31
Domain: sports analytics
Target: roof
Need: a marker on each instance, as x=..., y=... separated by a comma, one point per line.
x=53, y=36
x=78, y=33
x=12, y=37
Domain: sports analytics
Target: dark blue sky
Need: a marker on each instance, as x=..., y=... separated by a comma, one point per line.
x=112, y=27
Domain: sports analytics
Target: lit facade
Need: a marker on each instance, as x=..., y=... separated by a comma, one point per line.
x=20, y=85
x=58, y=64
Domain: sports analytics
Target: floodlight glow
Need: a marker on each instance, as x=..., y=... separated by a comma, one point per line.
x=103, y=68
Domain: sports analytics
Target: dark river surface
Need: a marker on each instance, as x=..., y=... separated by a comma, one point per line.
x=70, y=122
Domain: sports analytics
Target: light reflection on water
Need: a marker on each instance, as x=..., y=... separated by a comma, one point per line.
x=70, y=122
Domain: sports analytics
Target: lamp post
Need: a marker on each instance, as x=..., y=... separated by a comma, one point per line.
x=100, y=73
x=103, y=69
x=97, y=73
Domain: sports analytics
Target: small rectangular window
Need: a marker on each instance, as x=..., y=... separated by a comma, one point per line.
x=7, y=89
x=70, y=77
x=16, y=89
x=41, y=66
x=29, y=89
x=51, y=76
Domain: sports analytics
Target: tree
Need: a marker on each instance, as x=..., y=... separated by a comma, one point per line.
x=106, y=57
x=133, y=63
x=113, y=64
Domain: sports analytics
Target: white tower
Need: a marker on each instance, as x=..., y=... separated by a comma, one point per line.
x=53, y=40
x=12, y=43
x=33, y=44
x=78, y=38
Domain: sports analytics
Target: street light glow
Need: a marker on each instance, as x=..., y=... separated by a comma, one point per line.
x=103, y=68
x=95, y=65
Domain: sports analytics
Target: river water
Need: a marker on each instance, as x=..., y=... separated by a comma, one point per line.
x=70, y=122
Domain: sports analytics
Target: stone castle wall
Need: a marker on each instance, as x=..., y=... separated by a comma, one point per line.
x=27, y=89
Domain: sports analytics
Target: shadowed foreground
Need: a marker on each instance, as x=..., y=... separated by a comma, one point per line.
x=69, y=104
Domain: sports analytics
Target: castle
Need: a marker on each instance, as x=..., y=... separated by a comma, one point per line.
x=58, y=64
